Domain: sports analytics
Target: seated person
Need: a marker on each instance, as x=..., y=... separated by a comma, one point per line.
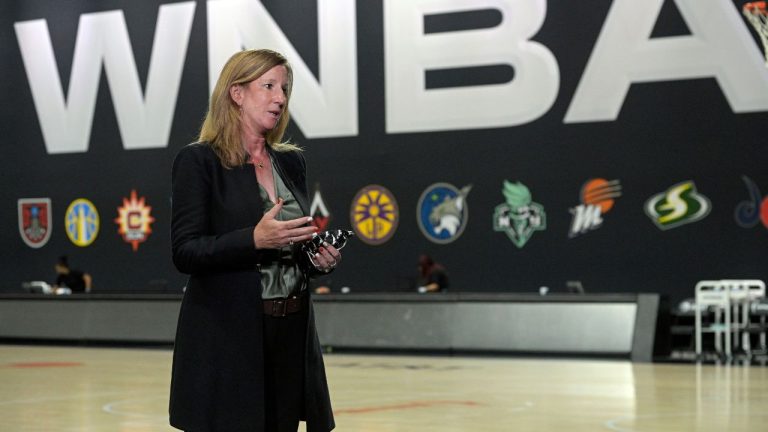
x=432, y=277
x=75, y=280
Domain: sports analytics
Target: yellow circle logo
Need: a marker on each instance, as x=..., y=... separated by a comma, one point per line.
x=374, y=214
x=81, y=222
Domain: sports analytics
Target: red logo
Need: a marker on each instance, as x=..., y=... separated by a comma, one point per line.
x=319, y=212
x=134, y=220
x=35, y=221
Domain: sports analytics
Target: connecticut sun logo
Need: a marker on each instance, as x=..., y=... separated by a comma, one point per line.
x=134, y=220
x=374, y=214
x=81, y=222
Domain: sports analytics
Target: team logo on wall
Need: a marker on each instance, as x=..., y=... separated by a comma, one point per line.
x=35, y=221
x=749, y=212
x=442, y=212
x=134, y=220
x=519, y=216
x=597, y=198
x=679, y=205
x=319, y=211
x=81, y=222
x=374, y=214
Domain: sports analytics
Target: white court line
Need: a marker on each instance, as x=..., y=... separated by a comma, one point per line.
x=60, y=398
x=113, y=407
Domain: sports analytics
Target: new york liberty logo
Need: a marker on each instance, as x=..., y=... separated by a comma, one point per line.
x=519, y=217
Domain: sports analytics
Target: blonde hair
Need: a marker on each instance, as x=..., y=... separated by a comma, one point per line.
x=221, y=127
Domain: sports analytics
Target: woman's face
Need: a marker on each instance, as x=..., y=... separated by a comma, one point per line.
x=263, y=100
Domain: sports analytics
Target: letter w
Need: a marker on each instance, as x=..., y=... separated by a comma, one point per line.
x=145, y=122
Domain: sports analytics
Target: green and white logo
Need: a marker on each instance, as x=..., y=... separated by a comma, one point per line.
x=679, y=205
x=519, y=216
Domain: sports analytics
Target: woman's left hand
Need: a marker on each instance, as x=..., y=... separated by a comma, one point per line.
x=327, y=258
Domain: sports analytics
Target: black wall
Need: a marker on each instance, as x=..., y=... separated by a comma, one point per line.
x=667, y=132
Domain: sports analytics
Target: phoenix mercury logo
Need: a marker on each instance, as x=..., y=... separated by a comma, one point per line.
x=597, y=198
x=679, y=205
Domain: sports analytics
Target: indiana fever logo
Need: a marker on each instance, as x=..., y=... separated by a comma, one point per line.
x=679, y=205
x=81, y=222
x=35, y=221
x=134, y=220
x=519, y=216
x=597, y=198
x=748, y=213
x=442, y=212
x=374, y=214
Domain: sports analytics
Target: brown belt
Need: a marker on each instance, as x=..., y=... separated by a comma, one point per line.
x=283, y=306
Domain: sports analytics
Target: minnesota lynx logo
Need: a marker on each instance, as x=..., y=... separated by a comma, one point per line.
x=442, y=212
x=681, y=204
x=519, y=216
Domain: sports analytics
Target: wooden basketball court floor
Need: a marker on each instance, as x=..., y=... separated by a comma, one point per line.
x=126, y=390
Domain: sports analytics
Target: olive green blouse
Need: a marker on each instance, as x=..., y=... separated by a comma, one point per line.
x=280, y=274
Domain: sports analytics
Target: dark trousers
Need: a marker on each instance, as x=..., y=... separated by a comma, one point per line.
x=284, y=345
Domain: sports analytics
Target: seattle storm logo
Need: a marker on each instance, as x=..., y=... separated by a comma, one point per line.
x=442, y=212
x=519, y=216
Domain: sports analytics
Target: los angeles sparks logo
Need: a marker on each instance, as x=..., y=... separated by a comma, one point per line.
x=374, y=214
x=597, y=198
x=134, y=220
x=81, y=222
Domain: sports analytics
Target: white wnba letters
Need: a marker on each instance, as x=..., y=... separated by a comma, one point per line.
x=320, y=110
x=720, y=46
x=409, y=53
x=144, y=120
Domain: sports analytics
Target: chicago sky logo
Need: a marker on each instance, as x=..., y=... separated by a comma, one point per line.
x=81, y=222
x=374, y=214
x=597, y=198
x=35, y=221
x=134, y=220
x=679, y=205
x=748, y=213
x=519, y=216
x=442, y=212
x=319, y=211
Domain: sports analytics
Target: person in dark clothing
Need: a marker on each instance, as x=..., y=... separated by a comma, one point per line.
x=432, y=276
x=75, y=280
x=247, y=357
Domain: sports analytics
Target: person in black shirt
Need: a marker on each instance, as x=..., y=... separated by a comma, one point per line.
x=75, y=280
x=432, y=277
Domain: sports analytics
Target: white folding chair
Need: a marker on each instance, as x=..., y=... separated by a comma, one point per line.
x=743, y=294
x=713, y=294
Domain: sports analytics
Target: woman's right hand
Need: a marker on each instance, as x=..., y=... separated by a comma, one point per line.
x=271, y=233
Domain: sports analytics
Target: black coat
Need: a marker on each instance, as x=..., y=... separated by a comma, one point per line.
x=217, y=383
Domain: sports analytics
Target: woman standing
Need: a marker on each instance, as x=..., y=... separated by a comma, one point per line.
x=247, y=356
